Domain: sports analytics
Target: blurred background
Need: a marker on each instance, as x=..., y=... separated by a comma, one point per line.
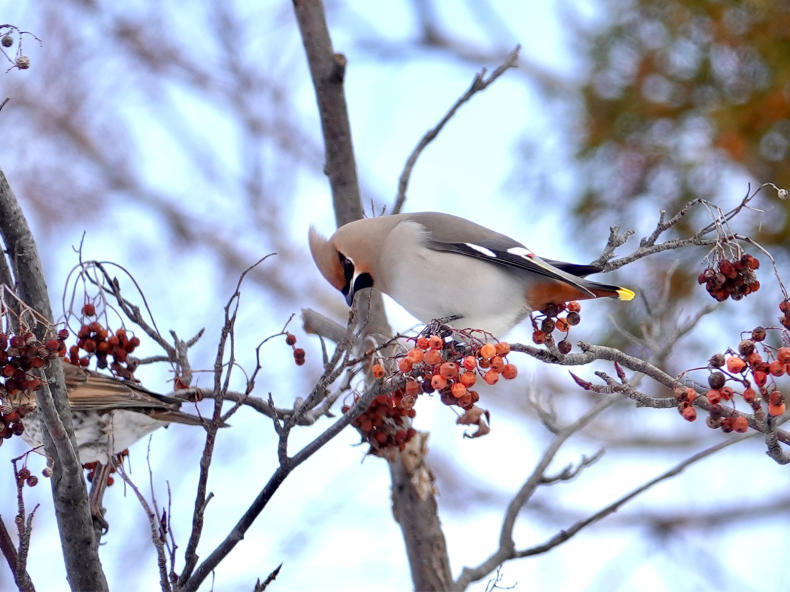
x=181, y=140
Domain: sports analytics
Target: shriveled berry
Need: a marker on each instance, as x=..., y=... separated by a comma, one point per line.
x=783, y=355
x=538, y=337
x=502, y=348
x=758, y=334
x=746, y=347
x=749, y=395
x=714, y=396
x=377, y=370
x=574, y=306
x=7, y=40
x=716, y=380
x=717, y=361
x=497, y=363
x=412, y=388
x=776, y=368
x=760, y=377
x=689, y=413
x=405, y=365
x=458, y=390
x=564, y=346
x=573, y=318
x=468, y=378
x=423, y=343
x=740, y=424
x=562, y=325
x=548, y=325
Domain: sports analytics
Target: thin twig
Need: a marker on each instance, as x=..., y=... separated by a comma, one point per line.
x=479, y=83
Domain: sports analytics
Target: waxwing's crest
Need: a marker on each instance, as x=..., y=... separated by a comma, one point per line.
x=326, y=259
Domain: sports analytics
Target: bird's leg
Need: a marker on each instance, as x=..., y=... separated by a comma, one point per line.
x=98, y=485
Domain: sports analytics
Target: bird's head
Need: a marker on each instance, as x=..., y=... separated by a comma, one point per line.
x=344, y=259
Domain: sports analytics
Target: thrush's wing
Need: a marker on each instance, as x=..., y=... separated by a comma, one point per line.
x=91, y=391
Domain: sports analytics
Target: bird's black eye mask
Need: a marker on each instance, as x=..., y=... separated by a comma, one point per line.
x=353, y=284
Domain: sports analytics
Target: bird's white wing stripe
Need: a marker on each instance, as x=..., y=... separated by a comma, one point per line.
x=482, y=250
x=521, y=252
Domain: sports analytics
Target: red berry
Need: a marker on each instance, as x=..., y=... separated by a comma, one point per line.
x=491, y=377
x=438, y=382
x=776, y=368
x=412, y=388
x=740, y=424
x=487, y=351
x=432, y=357
x=435, y=342
x=377, y=370
x=689, y=413
x=89, y=310
x=449, y=370
x=468, y=378
x=735, y=364
x=509, y=372
x=415, y=355
x=405, y=365
x=502, y=348
x=290, y=338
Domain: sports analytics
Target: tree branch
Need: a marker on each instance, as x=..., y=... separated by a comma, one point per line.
x=69, y=493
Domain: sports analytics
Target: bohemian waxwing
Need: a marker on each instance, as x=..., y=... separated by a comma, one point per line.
x=440, y=266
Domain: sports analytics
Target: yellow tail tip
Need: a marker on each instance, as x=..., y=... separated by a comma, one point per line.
x=625, y=294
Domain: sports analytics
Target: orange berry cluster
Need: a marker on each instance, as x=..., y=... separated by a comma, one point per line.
x=290, y=339
x=752, y=379
x=92, y=466
x=384, y=424
x=19, y=356
x=733, y=278
x=442, y=360
x=784, y=308
x=549, y=320
x=96, y=340
x=24, y=477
